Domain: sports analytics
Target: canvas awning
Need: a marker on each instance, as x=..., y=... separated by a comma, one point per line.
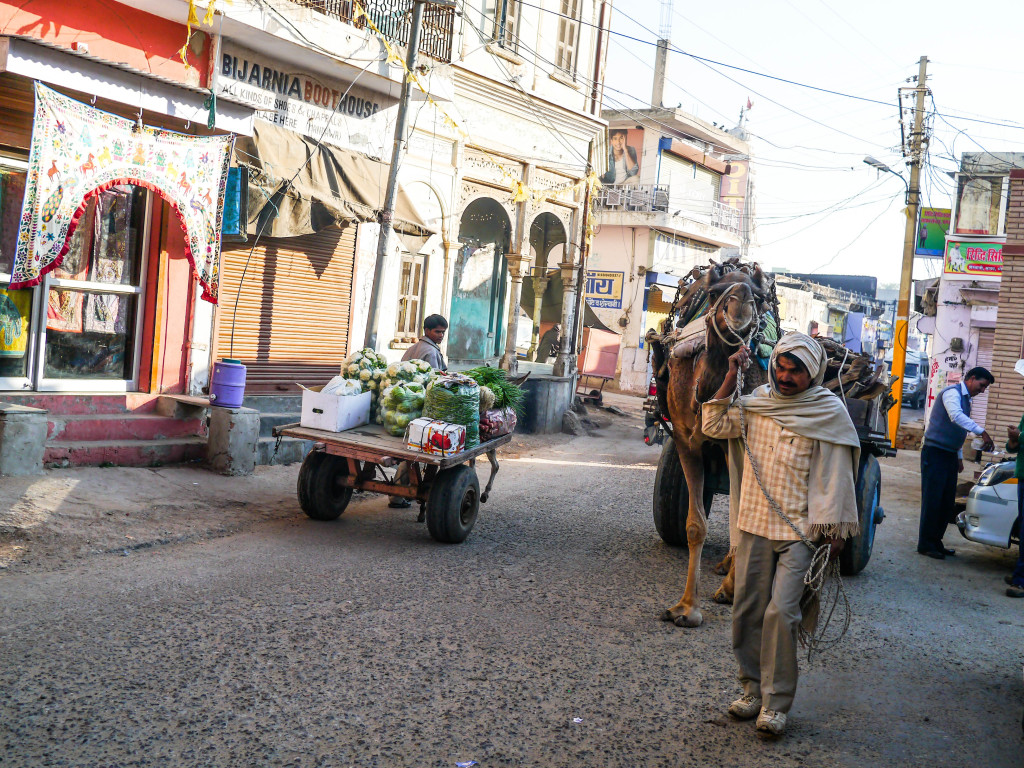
x=337, y=186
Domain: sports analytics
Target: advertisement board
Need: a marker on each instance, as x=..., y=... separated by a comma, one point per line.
x=604, y=289
x=931, y=231
x=978, y=261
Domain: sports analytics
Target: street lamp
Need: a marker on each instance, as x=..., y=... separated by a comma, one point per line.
x=880, y=166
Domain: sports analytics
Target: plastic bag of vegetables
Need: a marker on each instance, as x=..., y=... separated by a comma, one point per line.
x=401, y=404
x=497, y=422
x=339, y=385
x=455, y=398
x=366, y=367
x=413, y=374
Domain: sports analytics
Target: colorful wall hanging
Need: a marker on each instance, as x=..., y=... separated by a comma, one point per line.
x=79, y=151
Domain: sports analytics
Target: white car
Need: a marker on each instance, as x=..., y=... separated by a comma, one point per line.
x=992, y=508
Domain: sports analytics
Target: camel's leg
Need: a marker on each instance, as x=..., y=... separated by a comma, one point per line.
x=726, y=590
x=686, y=613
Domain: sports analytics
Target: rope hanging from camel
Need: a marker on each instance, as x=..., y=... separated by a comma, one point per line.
x=822, y=577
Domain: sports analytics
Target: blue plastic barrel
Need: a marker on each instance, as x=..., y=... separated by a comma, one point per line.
x=227, y=384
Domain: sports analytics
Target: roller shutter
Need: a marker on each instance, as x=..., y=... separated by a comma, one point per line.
x=292, y=321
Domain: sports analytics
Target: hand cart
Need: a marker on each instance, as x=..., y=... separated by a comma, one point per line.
x=446, y=487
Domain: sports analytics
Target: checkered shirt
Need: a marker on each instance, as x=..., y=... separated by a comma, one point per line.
x=784, y=459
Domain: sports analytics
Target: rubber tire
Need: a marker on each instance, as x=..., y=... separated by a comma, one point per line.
x=855, y=555
x=672, y=498
x=328, y=499
x=453, y=504
x=303, y=486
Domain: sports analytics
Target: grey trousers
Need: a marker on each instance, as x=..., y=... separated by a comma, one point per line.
x=766, y=616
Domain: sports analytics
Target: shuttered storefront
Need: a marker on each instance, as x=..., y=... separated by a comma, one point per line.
x=292, y=321
x=986, y=340
x=692, y=188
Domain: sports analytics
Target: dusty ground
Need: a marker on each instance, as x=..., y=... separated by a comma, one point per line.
x=174, y=617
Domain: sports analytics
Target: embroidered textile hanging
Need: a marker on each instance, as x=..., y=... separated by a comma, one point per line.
x=79, y=151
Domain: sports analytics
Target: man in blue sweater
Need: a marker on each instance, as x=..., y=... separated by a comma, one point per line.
x=942, y=457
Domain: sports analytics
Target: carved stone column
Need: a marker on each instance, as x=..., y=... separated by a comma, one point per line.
x=516, y=263
x=565, y=363
x=540, y=284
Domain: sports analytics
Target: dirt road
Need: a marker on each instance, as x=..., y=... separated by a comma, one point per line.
x=231, y=630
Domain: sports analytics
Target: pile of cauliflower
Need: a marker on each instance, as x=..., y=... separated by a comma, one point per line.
x=402, y=388
x=366, y=367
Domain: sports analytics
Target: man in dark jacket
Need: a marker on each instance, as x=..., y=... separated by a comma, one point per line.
x=942, y=457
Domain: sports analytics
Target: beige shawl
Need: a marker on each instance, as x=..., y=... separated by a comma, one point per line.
x=818, y=415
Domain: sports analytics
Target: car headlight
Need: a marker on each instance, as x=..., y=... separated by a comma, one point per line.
x=994, y=474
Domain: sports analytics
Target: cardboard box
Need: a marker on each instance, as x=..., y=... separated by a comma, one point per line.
x=334, y=413
x=438, y=438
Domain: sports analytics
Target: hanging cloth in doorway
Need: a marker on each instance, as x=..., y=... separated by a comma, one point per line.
x=79, y=151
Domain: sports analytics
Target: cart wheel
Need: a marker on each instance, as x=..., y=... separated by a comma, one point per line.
x=855, y=555
x=328, y=498
x=307, y=472
x=596, y=396
x=672, y=497
x=453, y=505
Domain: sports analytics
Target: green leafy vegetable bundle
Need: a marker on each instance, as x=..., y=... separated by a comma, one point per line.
x=506, y=394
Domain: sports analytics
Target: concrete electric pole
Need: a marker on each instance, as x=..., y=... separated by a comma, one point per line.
x=900, y=332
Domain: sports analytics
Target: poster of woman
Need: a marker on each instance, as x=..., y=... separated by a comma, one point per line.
x=623, y=159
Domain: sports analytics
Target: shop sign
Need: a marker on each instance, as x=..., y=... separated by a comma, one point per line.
x=293, y=99
x=978, y=261
x=604, y=289
x=931, y=231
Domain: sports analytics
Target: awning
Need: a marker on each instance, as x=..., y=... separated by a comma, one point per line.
x=336, y=187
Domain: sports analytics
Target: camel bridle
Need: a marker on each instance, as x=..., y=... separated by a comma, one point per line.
x=723, y=301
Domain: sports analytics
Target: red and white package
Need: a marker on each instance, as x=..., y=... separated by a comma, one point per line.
x=497, y=422
x=438, y=438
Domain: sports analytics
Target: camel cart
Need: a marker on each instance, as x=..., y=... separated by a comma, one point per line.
x=446, y=487
x=671, y=497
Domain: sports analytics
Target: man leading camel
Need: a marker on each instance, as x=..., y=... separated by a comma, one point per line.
x=806, y=450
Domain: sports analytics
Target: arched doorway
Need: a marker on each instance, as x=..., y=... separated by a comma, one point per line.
x=479, y=283
x=541, y=307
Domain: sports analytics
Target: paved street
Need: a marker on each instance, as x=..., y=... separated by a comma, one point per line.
x=287, y=642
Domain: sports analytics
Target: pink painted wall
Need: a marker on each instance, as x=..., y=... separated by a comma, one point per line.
x=113, y=31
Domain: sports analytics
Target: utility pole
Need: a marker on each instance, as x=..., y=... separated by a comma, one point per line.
x=899, y=348
x=388, y=213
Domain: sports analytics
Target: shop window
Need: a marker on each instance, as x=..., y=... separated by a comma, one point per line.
x=15, y=306
x=979, y=201
x=93, y=297
x=409, y=299
x=568, y=37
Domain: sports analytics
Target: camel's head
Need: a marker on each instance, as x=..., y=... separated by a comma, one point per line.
x=734, y=296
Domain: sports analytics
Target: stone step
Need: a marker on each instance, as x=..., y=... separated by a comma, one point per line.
x=124, y=453
x=72, y=404
x=274, y=403
x=133, y=426
x=270, y=420
x=290, y=451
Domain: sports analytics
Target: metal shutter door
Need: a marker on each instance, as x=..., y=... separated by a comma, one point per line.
x=986, y=340
x=292, y=321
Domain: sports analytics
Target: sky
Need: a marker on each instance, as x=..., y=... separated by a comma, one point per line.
x=819, y=207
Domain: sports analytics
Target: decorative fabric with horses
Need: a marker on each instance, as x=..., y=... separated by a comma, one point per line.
x=79, y=151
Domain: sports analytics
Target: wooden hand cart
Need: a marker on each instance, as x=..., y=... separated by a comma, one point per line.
x=446, y=487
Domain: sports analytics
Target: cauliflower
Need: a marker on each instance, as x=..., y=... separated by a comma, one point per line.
x=371, y=385
x=353, y=369
x=408, y=367
x=378, y=373
x=424, y=366
x=364, y=375
x=393, y=370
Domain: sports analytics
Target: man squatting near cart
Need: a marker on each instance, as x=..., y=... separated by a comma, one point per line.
x=806, y=450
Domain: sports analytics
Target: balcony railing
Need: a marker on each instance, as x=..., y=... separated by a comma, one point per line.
x=392, y=18
x=657, y=198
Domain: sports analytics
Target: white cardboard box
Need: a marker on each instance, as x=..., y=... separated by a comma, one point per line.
x=334, y=413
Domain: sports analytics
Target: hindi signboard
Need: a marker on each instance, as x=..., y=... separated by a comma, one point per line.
x=931, y=232
x=604, y=289
x=977, y=261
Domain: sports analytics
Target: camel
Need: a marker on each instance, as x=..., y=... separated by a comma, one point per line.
x=689, y=373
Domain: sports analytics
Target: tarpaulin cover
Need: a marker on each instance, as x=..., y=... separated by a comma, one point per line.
x=79, y=151
x=336, y=187
x=551, y=303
